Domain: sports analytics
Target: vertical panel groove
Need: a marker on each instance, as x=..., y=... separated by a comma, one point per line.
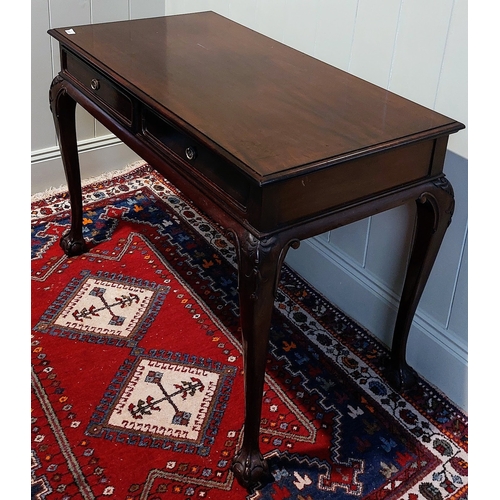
x=51, y=56
x=391, y=67
x=457, y=274
x=367, y=239
x=444, y=53
x=52, y=62
x=353, y=35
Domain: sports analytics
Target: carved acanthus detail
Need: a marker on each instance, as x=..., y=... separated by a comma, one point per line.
x=258, y=262
x=52, y=94
x=445, y=191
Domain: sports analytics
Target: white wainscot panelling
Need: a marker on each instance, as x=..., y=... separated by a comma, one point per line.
x=438, y=294
x=97, y=156
x=142, y=9
x=41, y=76
x=71, y=13
x=245, y=13
x=419, y=50
x=222, y=7
x=388, y=247
x=270, y=18
x=373, y=41
x=335, y=28
x=303, y=13
x=104, y=11
x=451, y=98
x=173, y=7
x=459, y=311
x=351, y=240
x=100, y=151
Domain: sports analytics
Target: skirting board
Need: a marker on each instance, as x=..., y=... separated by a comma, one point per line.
x=97, y=156
x=432, y=351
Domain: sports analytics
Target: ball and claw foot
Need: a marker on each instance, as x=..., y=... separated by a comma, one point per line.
x=402, y=376
x=250, y=469
x=71, y=245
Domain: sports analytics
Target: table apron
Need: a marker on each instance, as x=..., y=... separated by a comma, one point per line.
x=223, y=209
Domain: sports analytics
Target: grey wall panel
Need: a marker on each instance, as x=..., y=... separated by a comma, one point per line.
x=453, y=79
x=335, y=30
x=42, y=131
x=141, y=9
x=71, y=13
x=438, y=295
x=459, y=309
x=246, y=13
x=373, y=42
x=173, y=7
x=270, y=18
x=352, y=240
x=104, y=11
x=303, y=39
x=45, y=62
x=388, y=246
x=419, y=49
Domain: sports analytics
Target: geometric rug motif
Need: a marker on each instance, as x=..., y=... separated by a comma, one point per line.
x=102, y=305
x=40, y=487
x=163, y=403
x=156, y=401
x=137, y=370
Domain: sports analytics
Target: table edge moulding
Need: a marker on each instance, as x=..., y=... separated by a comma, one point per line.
x=273, y=145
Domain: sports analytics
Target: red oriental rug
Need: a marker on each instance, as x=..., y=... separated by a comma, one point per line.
x=137, y=387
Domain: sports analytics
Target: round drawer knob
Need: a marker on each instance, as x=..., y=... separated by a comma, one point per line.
x=94, y=84
x=190, y=153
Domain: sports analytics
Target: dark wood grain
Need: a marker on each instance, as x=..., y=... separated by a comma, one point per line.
x=269, y=106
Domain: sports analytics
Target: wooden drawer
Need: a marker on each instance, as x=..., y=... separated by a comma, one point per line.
x=317, y=192
x=212, y=166
x=99, y=86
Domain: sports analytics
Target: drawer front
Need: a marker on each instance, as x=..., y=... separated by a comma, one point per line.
x=99, y=86
x=218, y=170
x=339, y=185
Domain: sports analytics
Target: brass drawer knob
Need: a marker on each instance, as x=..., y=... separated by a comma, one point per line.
x=190, y=153
x=94, y=84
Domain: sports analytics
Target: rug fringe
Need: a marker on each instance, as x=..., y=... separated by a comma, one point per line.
x=52, y=191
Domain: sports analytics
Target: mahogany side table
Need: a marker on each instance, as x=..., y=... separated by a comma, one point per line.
x=272, y=144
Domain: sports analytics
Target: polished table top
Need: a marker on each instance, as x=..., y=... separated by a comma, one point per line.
x=269, y=108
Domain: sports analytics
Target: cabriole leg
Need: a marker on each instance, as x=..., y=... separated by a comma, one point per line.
x=434, y=212
x=63, y=111
x=259, y=262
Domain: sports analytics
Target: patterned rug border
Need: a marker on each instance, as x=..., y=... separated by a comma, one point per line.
x=54, y=191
